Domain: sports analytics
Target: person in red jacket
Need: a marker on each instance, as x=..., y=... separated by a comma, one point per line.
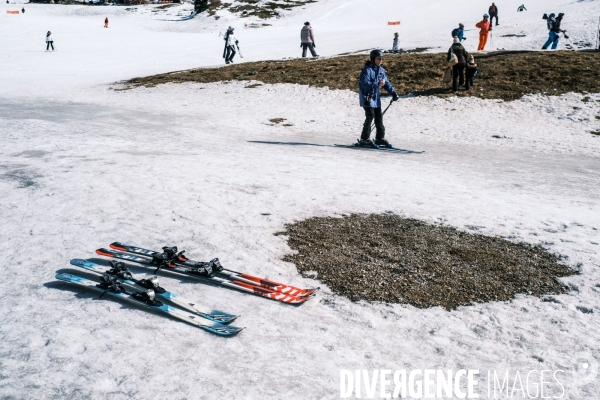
x=106, y=22
x=484, y=29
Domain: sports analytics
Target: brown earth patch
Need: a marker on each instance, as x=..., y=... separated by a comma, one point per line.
x=506, y=75
x=383, y=257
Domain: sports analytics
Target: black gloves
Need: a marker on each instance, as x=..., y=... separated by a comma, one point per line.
x=236, y=42
x=464, y=38
x=300, y=44
x=314, y=45
x=395, y=97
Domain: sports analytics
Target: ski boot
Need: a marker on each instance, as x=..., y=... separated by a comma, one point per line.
x=383, y=143
x=366, y=143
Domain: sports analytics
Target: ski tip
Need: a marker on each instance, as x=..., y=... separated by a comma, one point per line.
x=118, y=246
x=79, y=262
x=104, y=252
x=223, y=330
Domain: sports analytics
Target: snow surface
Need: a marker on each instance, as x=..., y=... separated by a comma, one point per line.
x=201, y=166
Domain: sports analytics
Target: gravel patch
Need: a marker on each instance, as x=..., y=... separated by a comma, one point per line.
x=387, y=258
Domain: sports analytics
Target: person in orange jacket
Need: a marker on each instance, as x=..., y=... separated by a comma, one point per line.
x=106, y=22
x=485, y=28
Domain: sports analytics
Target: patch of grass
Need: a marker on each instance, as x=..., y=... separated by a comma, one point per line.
x=384, y=257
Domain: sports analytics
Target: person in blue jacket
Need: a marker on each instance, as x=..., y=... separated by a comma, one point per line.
x=372, y=79
x=459, y=32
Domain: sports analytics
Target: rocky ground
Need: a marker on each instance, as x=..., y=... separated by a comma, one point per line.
x=396, y=260
x=506, y=75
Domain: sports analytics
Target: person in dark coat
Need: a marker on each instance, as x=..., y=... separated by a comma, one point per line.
x=471, y=72
x=493, y=11
x=458, y=70
x=372, y=79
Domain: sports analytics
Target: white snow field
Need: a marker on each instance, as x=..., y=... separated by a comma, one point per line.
x=200, y=166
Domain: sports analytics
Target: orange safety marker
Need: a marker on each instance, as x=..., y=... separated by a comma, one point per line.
x=12, y=12
x=393, y=22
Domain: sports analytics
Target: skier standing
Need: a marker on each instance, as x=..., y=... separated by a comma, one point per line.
x=307, y=40
x=493, y=11
x=395, y=43
x=372, y=79
x=554, y=31
x=49, y=41
x=459, y=32
x=106, y=22
x=471, y=72
x=23, y=10
x=458, y=70
x=485, y=28
x=230, y=43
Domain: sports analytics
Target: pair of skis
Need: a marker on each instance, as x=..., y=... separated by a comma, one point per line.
x=211, y=272
x=116, y=281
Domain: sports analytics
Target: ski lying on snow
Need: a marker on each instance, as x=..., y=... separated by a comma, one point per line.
x=112, y=287
x=122, y=273
x=201, y=275
x=178, y=258
x=386, y=149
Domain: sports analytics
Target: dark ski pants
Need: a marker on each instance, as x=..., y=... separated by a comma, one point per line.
x=458, y=76
x=492, y=16
x=310, y=47
x=370, y=115
x=230, y=54
x=48, y=44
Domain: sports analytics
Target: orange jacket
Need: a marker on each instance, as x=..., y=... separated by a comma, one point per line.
x=484, y=27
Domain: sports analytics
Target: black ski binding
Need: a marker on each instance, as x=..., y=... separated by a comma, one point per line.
x=110, y=284
x=119, y=269
x=147, y=297
x=151, y=283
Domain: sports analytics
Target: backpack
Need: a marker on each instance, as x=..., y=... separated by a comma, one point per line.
x=453, y=60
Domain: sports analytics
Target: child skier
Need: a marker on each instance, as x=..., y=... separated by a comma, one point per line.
x=49, y=41
x=372, y=79
x=485, y=28
x=395, y=43
x=471, y=72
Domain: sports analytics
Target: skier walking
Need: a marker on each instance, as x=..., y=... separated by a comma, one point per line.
x=521, y=8
x=49, y=41
x=372, y=79
x=307, y=40
x=484, y=29
x=493, y=11
x=230, y=43
x=23, y=10
x=458, y=70
x=553, y=30
x=395, y=42
x=459, y=32
x=106, y=22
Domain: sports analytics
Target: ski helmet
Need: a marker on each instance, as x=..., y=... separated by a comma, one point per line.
x=552, y=15
x=307, y=23
x=375, y=53
x=230, y=29
x=485, y=16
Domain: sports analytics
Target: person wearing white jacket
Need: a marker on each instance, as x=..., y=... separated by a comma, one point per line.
x=307, y=40
x=230, y=43
x=49, y=41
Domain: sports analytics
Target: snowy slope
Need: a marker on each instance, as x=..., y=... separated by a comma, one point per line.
x=82, y=165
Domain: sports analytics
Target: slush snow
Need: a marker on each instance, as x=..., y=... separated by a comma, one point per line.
x=82, y=165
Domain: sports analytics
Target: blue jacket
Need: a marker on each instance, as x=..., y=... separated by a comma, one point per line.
x=459, y=33
x=368, y=83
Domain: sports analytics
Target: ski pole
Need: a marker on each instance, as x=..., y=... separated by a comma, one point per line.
x=382, y=114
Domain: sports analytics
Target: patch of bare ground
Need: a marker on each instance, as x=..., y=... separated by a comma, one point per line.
x=506, y=75
x=384, y=257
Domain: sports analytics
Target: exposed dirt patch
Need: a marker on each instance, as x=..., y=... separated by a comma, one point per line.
x=396, y=260
x=504, y=75
x=255, y=8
